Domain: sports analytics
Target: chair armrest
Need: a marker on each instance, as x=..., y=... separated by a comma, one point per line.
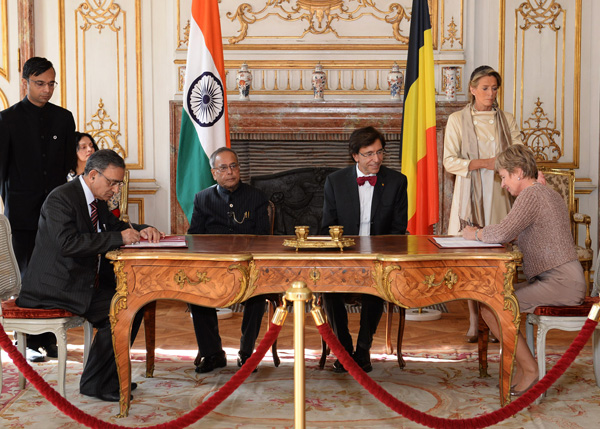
x=586, y=220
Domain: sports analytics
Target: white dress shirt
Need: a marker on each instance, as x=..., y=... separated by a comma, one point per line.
x=365, y=196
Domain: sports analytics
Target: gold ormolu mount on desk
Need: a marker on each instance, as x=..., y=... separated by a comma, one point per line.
x=303, y=241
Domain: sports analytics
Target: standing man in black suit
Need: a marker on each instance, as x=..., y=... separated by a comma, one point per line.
x=37, y=148
x=229, y=207
x=366, y=199
x=68, y=268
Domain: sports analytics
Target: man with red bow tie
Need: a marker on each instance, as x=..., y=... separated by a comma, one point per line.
x=366, y=199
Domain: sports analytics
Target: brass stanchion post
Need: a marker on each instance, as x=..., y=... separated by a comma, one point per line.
x=299, y=294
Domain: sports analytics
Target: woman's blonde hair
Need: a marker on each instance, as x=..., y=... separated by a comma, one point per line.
x=517, y=156
x=478, y=73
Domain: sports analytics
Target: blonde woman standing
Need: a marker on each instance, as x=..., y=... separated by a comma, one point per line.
x=474, y=136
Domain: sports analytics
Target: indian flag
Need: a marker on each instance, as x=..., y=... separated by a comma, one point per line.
x=204, y=121
x=419, y=147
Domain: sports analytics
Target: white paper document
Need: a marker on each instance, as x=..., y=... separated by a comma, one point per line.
x=458, y=242
x=168, y=241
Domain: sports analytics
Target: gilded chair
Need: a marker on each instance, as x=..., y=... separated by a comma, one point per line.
x=32, y=320
x=563, y=182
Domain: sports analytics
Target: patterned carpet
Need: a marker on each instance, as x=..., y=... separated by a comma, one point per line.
x=441, y=385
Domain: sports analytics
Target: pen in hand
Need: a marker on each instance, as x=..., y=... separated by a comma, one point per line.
x=131, y=226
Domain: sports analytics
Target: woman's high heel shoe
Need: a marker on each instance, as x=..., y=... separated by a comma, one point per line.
x=515, y=393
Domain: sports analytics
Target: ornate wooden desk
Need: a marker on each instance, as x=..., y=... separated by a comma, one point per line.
x=220, y=270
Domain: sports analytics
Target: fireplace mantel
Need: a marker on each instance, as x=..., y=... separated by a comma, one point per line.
x=273, y=136
x=318, y=120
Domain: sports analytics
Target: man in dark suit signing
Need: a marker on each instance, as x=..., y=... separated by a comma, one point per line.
x=68, y=269
x=366, y=199
x=229, y=207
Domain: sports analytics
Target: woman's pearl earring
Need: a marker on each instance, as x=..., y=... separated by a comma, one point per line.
x=518, y=178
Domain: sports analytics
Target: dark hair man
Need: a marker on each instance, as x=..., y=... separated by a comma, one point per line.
x=68, y=269
x=366, y=199
x=37, y=148
x=229, y=207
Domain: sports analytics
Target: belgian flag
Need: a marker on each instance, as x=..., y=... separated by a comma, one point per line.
x=419, y=148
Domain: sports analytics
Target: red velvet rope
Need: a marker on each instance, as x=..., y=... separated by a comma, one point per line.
x=476, y=422
x=185, y=420
x=325, y=330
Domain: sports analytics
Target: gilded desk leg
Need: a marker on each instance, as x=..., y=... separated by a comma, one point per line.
x=510, y=320
x=121, y=332
x=508, y=347
x=120, y=322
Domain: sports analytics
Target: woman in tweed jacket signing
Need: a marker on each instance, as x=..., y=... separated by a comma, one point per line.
x=539, y=220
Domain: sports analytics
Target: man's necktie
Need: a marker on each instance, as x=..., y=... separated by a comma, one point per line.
x=94, y=215
x=371, y=179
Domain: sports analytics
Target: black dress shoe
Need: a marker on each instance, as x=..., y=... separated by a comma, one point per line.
x=208, y=363
x=109, y=397
x=338, y=367
x=363, y=359
x=51, y=350
x=242, y=358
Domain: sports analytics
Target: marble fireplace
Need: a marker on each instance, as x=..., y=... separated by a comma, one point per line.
x=274, y=136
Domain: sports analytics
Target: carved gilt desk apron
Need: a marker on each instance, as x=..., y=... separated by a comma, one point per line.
x=221, y=270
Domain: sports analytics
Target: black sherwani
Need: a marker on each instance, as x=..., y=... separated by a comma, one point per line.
x=37, y=149
x=218, y=211
x=62, y=274
x=341, y=206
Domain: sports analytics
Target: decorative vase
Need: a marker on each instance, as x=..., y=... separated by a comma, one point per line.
x=244, y=79
x=395, y=80
x=319, y=79
x=450, y=74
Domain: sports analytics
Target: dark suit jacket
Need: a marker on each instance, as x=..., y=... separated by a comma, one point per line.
x=215, y=207
x=64, y=263
x=37, y=149
x=389, y=206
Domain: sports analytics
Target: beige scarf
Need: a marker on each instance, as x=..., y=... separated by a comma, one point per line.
x=471, y=199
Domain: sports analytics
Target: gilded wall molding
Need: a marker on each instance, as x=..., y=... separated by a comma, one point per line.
x=139, y=203
x=454, y=31
x=4, y=18
x=547, y=38
x=311, y=24
x=4, y=100
x=101, y=23
x=104, y=130
x=539, y=134
x=320, y=15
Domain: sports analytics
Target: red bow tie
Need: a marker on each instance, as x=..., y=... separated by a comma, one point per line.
x=371, y=179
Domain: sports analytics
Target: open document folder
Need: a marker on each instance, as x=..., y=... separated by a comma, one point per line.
x=459, y=242
x=167, y=241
